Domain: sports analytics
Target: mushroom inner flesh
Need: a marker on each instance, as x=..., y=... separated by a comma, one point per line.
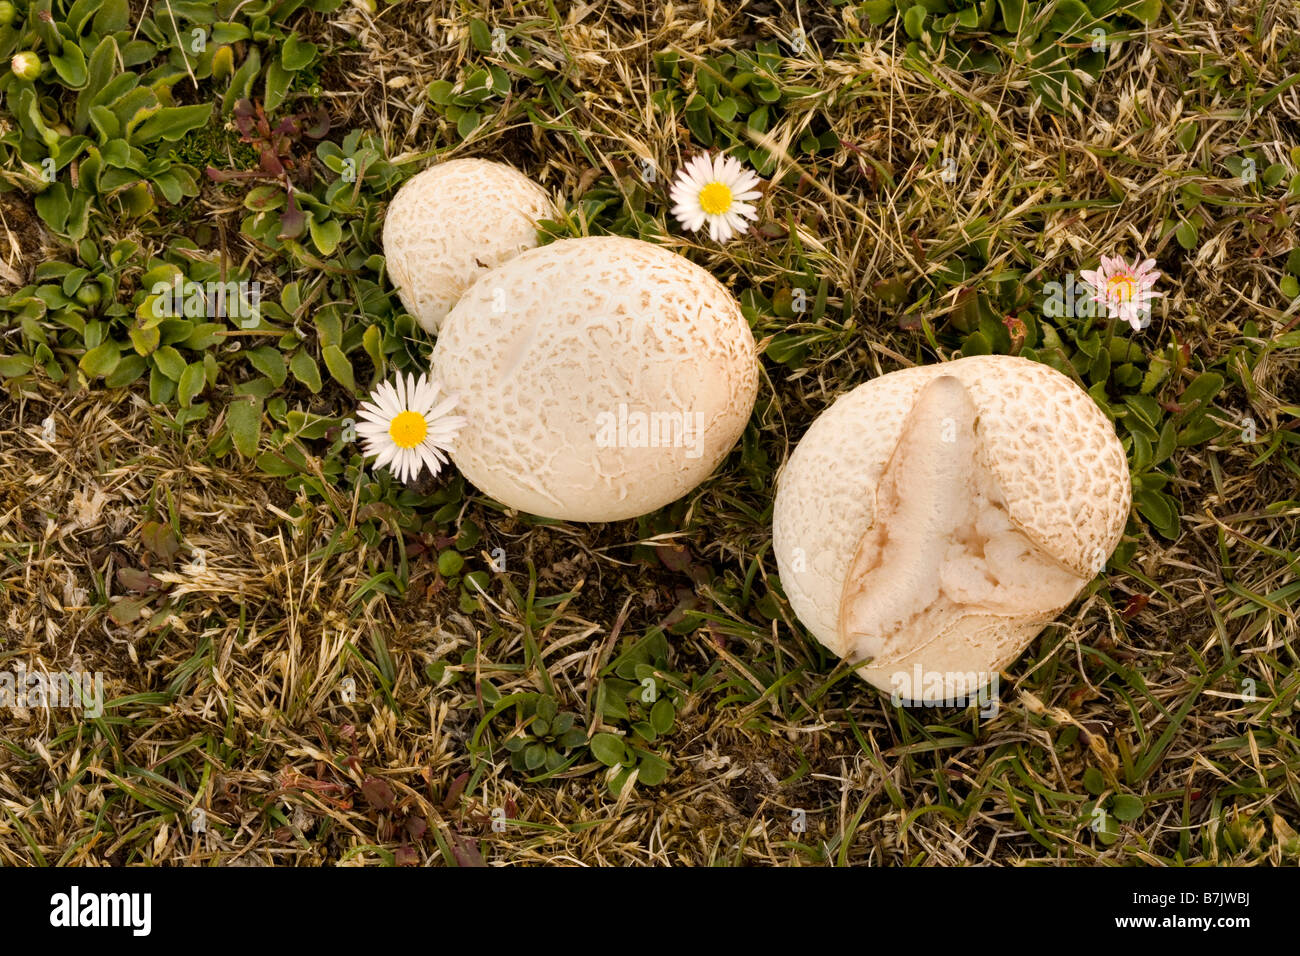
x=942, y=545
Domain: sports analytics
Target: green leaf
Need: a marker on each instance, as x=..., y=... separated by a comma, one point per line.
x=914, y=21
x=1145, y=10
x=276, y=465
x=101, y=360
x=1167, y=443
x=480, y=35
x=534, y=756
x=1126, y=807
x=305, y=369
x=372, y=341
x=244, y=419
x=191, y=384
x=173, y=122
x=70, y=65
x=128, y=370
x=1014, y=14
x=14, y=365
x=1159, y=509
x=651, y=769
x=339, y=367
x=169, y=362
x=1201, y=430
x=296, y=54
x=441, y=92
x=53, y=207
x=241, y=83
x=467, y=124
x=662, y=715
x=548, y=710
x=976, y=344
x=278, y=81
x=269, y=362
x=1197, y=396
x=161, y=388
x=608, y=749
x=1070, y=17
x=1093, y=781
x=113, y=17
x=326, y=235
x=878, y=11
x=1186, y=234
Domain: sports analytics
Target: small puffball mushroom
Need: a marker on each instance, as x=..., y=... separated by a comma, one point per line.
x=601, y=378
x=452, y=222
x=933, y=520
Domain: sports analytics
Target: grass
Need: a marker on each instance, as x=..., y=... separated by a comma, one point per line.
x=295, y=650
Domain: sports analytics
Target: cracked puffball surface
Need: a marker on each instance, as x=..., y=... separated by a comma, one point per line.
x=601, y=378
x=452, y=222
x=933, y=520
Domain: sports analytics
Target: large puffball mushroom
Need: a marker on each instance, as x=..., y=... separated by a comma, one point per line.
x=601, y=378
x=452, y=222
x=933, y=520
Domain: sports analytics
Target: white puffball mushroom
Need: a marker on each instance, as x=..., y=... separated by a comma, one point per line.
x=933, y=520
x=450, y=223
x=601, y=378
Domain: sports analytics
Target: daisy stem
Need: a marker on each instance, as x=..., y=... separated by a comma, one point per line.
x=1110, y=332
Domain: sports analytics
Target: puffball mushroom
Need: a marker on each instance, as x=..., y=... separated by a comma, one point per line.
x=933, y=520
x=452, y=222
x=600, y=378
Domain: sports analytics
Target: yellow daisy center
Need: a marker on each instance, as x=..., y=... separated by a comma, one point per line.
x=715, y=198
x=407, y=429
x=1122, y=287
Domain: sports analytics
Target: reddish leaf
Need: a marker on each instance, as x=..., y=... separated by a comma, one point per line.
x=292, y=221
x=416, y=827
x=378, y=793
x=319, y=124
x=455, y=791
x=676, y=557
x=245, y=118
x=270, y=163
x=406, y=855
x=466, y=851
x=227, y=175
x=133, y=579
x=1135, y=605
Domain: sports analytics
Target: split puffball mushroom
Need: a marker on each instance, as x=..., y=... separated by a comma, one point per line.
x=452, y=222
x=933, y=520
x=600, y=378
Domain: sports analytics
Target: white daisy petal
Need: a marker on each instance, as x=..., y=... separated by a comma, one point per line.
x=731, y=188
x=408, y=449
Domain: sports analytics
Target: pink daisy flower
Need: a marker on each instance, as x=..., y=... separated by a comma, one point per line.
x=1124, y=290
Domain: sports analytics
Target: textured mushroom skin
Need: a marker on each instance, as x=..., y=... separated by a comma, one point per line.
x=450, y=223
x=541, y=348
x=897, y=545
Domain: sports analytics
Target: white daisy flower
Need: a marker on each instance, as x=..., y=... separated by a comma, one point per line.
x=1124, y=290
x=406, y=427
x=715, y=192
